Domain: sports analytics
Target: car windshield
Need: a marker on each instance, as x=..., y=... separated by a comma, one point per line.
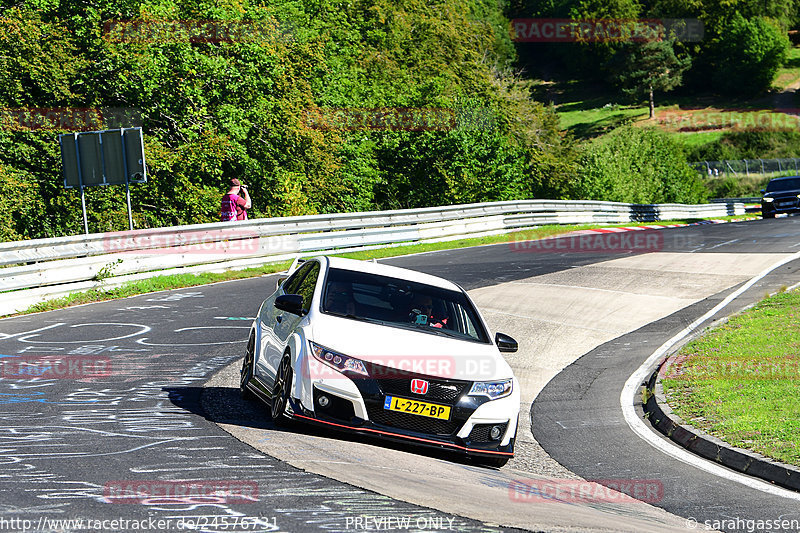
x=401, y=303
x=792, y=184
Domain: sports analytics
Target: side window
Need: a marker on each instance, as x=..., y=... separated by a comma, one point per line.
x=306, y=289
x=291, y=284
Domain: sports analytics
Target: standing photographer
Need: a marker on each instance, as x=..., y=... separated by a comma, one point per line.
x=234, y=206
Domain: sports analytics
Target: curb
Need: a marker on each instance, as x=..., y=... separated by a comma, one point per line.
x=753, y=464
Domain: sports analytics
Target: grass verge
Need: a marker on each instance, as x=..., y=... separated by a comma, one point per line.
x=177, y=281
x=739, y=381
x=156, y=283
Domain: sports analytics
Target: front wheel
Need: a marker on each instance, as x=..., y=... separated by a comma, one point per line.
x=247, y=369
x=281, y=392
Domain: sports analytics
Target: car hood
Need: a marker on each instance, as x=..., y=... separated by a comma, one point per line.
x=782, y=194
x=414, y=351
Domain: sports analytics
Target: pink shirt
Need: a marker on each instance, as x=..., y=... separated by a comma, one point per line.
x=233, y=208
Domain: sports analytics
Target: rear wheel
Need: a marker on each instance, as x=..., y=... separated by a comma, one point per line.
x=247, y=368
x=768, y=215
x=281, y=392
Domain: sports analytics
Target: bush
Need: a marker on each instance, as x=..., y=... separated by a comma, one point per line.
x=749, y=144
x=638, y=165
x=747, y=55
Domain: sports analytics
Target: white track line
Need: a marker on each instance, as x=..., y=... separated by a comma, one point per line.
x=681, y=454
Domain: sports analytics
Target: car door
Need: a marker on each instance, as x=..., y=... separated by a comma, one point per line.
x=285, y=324
x=271, y=347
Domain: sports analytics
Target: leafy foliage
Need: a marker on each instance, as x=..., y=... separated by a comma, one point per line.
x=748, y=144
x=216, y=109
x=748, y=54
x=743, y=44
x=638, y=165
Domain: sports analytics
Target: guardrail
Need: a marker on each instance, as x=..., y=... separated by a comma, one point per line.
x=745, y=200
x=37, y=269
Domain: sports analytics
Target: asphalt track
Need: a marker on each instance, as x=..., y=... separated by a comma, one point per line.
x=68, y=443
x=577, y=416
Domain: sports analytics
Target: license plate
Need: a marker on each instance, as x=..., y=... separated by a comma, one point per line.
x=401, y=405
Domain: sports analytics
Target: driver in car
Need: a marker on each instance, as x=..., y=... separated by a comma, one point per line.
x=422, y=312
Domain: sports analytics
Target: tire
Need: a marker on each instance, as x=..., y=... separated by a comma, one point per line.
x=281, y=393
x=770, y=215
x=247, y=369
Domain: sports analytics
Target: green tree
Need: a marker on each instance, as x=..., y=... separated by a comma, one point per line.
x=747, y=54
x=648, y=67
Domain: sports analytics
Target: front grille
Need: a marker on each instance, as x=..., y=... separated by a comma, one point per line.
x=480, y=432
x=409, y=422
x=447, y=392
x=398, y=382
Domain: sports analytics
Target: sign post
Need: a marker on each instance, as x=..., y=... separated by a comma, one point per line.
x=108, y=157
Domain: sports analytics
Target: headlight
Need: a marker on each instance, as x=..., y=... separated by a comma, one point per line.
x=491, y=389
x=768, y=199
x=340, y=362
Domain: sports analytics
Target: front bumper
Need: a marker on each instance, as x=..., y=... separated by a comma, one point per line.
x=780, y=206
x=357, y=405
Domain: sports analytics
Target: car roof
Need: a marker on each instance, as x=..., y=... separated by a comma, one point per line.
x=784, y=178
x=390, y=271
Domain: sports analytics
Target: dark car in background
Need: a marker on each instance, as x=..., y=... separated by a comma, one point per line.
x=782, y=195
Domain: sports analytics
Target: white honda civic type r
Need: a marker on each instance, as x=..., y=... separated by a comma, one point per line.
x=384, y=351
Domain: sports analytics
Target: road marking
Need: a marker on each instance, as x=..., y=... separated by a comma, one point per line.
x=142, y=330
x=638, y=426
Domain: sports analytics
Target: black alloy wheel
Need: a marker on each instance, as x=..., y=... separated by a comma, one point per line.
x=247, y=369
x=281, y=393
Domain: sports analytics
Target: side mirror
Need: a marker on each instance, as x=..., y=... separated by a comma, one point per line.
x=505, y=343
x=763, y=191
x=291, y=303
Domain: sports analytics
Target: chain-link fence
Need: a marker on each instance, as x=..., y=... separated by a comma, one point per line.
x=737, y=178
x=748, y=167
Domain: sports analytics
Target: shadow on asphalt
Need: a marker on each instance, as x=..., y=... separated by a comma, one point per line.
x=225, y=405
